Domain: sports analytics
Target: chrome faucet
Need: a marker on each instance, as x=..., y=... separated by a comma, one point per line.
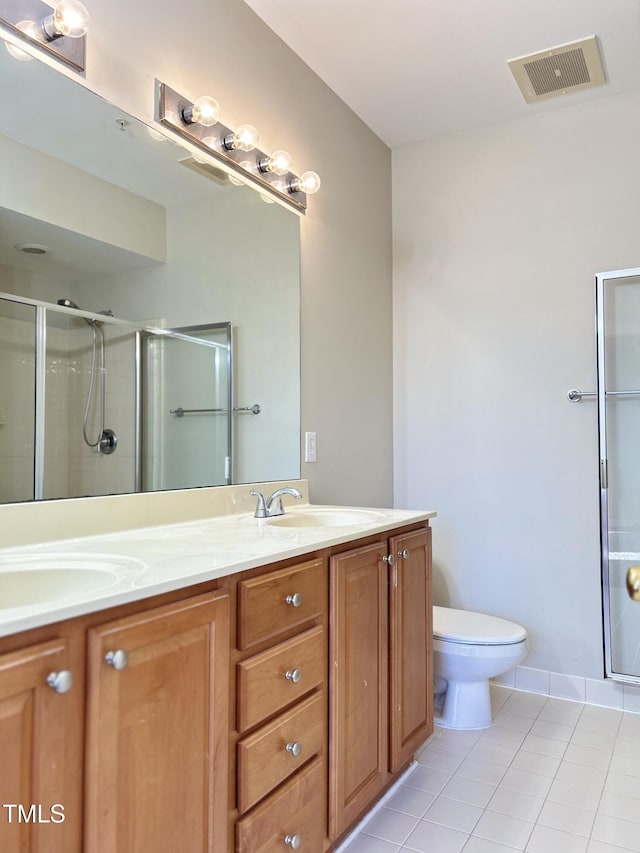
x=272, y=506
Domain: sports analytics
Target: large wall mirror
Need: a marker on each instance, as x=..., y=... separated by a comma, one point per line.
x=149, y=306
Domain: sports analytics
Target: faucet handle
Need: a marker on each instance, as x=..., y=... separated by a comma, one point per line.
x=261, y=507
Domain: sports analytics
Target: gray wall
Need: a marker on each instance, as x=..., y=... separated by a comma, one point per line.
x=498, y=234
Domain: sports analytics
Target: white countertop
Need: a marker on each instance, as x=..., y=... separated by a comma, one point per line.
x=148, y=561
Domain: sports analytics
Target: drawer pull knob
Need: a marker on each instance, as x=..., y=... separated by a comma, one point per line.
x=294, y=748
x=293, y=841
x=389, y=559
x=293, y=675
x=61, y=681
x=118, y=659
x=294, y=600
x=404, y=554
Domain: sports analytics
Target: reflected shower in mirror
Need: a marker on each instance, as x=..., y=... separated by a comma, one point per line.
x=98, y=212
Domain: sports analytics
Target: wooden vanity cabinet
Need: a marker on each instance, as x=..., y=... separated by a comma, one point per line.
x=41, y=713
x=157, y=730
x=281, y=710
x=381, y=683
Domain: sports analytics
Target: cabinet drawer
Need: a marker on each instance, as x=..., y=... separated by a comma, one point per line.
x=273, y=603
x=275, y=751
x=278, y=677
x=296, y=809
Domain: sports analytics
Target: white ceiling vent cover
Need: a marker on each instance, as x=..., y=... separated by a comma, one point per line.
x=559, y=70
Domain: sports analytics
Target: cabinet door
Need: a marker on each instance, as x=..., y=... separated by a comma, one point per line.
x=158, y=730
x=358, y=683
x=40, y=744
x=411, y=643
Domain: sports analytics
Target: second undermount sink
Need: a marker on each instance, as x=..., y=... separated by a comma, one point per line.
x=326, y=517
x=27, y=581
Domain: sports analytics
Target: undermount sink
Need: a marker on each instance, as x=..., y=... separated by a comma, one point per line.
x=329, y=517
x=35, y=580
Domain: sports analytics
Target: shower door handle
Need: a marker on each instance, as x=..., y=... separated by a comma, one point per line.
x=633, y=582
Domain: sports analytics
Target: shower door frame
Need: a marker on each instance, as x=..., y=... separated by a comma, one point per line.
x=602, y=395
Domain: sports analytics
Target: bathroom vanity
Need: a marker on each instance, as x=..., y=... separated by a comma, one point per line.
x=256, y=687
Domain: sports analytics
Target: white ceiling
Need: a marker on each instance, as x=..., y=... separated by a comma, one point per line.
x=416, y=69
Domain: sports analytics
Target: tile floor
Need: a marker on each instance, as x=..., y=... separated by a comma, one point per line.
x=549, y=776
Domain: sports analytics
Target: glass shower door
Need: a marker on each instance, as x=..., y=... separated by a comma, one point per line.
x=618, y=327
x=187, y=410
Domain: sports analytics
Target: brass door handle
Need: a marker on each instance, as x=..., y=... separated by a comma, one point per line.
x=633, y=582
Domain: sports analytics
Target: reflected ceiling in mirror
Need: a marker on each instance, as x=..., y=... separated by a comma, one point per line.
x=98, y=209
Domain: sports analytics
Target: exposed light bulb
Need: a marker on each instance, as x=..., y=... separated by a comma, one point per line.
x=308, y=182
x=30, y=29
x=70, y=18
x=245, y=138
x=279, y=163
x=204, y=111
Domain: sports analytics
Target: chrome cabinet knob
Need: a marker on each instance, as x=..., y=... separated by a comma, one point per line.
x=294, y=748
x=293, y=675
x=294, y=600
x=389, y=559
x=61, y=681
x=293, y=841
x=118, y=659
x=404, y=554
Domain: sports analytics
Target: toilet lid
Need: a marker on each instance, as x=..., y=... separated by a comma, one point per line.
x=465, y=626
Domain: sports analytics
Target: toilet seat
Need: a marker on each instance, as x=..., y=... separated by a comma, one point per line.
x=475, y=629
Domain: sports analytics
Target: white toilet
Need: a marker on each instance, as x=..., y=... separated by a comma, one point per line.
x=468, y=649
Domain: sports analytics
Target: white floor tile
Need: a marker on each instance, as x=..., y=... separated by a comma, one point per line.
x=606, y=724
x=544, y=746
x=481, y=771
x=526, y=783
x=613, y=830
x=626, y=764
x=440, y=759
x=390, y=825
x=515, y=722
x=544, y=839
x=617, y=805
x=602, y=847
x=502, y=736
x=516, y=804
x=587, y=756
x=627, y=786
x=428, y=779
x=504, y=829
x=468, y=791
x=524, y=704
x=483, y=845
x=455, y=742
x=494, y=752
x=625, y=745
x=543, y=765
x=410, y=801
x=365, y=844
x=428, y=837
x=454, y=814
x=567, y=818
x=560, y=711
x=578, y=793
x=555, y=731
x=593, y=740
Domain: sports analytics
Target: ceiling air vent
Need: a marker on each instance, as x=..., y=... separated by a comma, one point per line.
x=559, y=70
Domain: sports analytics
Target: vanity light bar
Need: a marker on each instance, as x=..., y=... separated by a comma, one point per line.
x=236, y=149
x=58, y=30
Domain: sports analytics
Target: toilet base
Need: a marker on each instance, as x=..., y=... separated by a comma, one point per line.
x=467, y=705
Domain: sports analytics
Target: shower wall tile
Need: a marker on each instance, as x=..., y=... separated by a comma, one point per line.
x=607, y=693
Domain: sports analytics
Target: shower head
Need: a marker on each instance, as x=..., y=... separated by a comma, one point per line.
x=67, y=303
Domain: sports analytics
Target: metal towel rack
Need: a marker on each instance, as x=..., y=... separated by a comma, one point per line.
x=180, y=412
x=575, y=396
